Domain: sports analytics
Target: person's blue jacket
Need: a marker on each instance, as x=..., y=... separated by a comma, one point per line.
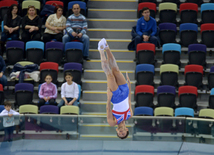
x=146, y=27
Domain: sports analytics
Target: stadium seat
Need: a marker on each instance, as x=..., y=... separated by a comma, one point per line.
x=69, y=110
x=28, y=109
x=183, y=111
x=166, y=96
x=198, y=2
x=188, y=13
x=145, y=53
x=169, y=75
x=188, y=96
x=34, y=51
x=143, y=111
x=82, y=5
x=211, y=78
x=167, y=12
x=75, y=69
x=211, y=99
x=23, y=93
x=25, y=5
x=54, y=3
x=163, y=111
x=151, y=6
x=144, y=95
x=204, y=127
x=1, y=95
x=197, y=54
x=171, y=53
x=145, y=74
x=207, y=13
x=207, y=34
x=73, y=52
x=188, y=34
x=49, y=109
x=14, y=51
x=194, y=75
x=54, y=51
x=49, y=68
x=167, y=33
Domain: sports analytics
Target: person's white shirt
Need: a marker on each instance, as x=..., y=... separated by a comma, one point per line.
x=69, y=91
x=8, y=121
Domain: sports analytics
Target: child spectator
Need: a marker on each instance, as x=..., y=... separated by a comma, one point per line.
x=8, y=122
x=69, y=92
x=47, y=92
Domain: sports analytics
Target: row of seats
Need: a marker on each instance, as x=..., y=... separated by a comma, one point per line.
x=46, y=109
x=171, y=54
x=188, y=12
x=5, y=4
x=188, y=33
x=198, y=2
x=193, y=75
x=35, y=51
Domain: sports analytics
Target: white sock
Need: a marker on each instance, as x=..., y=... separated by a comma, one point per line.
x=102, y=44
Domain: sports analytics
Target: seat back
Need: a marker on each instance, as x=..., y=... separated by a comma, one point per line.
x=49, y=109
x=167, y=33
x=69, y=110
x=163, y=111
x=144, y=95
x=210, y=79
x=145, y=74
x=14, y=51
x=184, y=112
x=49, y=68
x=188, y=12
x=145, y=53
x=167, y=12
x=82, y=5
x=73, y=52
x=169, y=74
x=34, y=51
x=25, y=5
x=171, y=53
x=166, y=96
x=207, y=34
x=54, y=3
x=207, y=113
x=139, y=111
x=1, y=108
x=54, y=51
x=151, y=6
x=28, y=109
x=75, y=69
x=197, y=54
x=207, y=13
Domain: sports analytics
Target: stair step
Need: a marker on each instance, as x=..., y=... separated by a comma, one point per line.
x=111, y=23
x=113, y=4
x=112, y=13
x=100, y=75
x=109, y=33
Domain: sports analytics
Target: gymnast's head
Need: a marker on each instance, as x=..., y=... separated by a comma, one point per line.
x=122, y=131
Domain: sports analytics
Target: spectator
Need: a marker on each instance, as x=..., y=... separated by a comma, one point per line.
x=69, y=92
x=31, y=25
x=47, y=92
x=55, y=25
x=146, y=29
x=3, y=78
x=8, y=122
x=12, y=23
x=76, y=26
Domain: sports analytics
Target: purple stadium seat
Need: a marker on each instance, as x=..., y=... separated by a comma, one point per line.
x=14, y=51
x=1, y=108
x=75, y=69
x=54, y=51
x=167, y=33
x=50, y=109
x=166, y=96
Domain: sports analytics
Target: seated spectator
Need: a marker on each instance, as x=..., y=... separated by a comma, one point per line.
x=8, y=122
x=76, y=26
x=55, y=25
x=146, y=29
x=47, y=92
x=3, y=78
x=31, y=25
x=69, y=92
x=12, y=23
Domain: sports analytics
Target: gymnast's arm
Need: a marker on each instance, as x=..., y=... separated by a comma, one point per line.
x=129, y=85
x=110, y=119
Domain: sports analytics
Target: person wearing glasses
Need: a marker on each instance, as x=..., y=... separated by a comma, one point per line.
x=31, y=25
x=55, y=24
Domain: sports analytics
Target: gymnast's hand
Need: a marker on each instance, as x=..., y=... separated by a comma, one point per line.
x=109, y=94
